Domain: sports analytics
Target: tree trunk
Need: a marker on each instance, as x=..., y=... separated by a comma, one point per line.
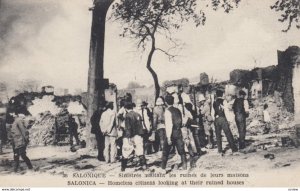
x=150, y=69
x=95, y=74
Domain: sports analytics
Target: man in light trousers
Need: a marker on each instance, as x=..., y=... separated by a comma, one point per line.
x=108, y=128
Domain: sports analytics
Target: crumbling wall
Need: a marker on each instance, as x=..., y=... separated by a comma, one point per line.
x=296, y=85
x=242, y=77
x=256, y=89
x=270, y=80
x=286, y=63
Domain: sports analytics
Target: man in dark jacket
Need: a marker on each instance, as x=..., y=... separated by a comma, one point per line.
x=241, y=110
x=73, y=131
x=220, y=106
x=133, y=137
x=173, y=124
x=20, y=138
x=95, y=120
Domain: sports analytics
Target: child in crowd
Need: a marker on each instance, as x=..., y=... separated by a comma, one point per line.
x=267, y=119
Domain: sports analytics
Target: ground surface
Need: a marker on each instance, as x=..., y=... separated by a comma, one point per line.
x=59, y=160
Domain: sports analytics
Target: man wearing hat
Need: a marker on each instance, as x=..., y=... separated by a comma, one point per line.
x=19, y=137
x=133, y=137
x=108, y=128
x=220, y=107
x=206, y=117
x=241, y=110
x=141, y=108
x=159, y=121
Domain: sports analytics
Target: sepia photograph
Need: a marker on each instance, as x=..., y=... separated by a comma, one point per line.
x=149, y=93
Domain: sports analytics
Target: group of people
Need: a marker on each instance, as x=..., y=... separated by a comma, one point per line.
x=174, y=125
x=174, y=122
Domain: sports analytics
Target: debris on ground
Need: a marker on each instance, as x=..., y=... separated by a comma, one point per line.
x=269, y=156
x=42, y=131
x=50, y=124
x=281, y=119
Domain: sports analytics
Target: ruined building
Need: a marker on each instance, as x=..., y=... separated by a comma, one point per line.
x=288, y=71
x=281, y=80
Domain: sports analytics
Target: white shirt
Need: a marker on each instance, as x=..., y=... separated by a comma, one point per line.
x=185, y=98
x=246, y=106
x=123, y=112
x=187, y=115
x=226, y=109
x=146, y=122
x=107, y=121
x=168, y=124
x=267, y=117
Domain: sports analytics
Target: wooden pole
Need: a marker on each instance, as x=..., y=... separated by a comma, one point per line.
x=96, y=57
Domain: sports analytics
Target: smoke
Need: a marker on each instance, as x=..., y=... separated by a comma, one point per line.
x=21, y=21
x=45, y=40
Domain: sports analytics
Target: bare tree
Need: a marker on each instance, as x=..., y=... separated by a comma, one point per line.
x=144, y=20
x=290, y=12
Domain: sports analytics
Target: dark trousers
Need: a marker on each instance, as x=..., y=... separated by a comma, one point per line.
x=222, y=124
x=177, y=141
x=199, y=137
x=119, y=143
x=148, y=145
x=74, y=134
x=160, y=138
x=21, y=152
x=100, y=145
x=240, y=120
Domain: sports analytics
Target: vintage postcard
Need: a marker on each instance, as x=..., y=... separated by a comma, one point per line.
x=149, y=93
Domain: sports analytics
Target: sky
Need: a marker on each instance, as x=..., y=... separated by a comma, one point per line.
x=49, y=40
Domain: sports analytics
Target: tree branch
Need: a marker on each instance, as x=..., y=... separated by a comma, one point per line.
x=170, y=56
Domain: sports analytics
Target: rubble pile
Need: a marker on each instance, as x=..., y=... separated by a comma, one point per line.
x=51, y=120
x=42, y=131
x=281, y=119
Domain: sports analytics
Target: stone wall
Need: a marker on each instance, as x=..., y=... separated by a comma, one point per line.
x=286, y=62
x=296, y=88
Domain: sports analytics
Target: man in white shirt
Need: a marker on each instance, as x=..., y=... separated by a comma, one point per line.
x=108, y=128
x=173, y=124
